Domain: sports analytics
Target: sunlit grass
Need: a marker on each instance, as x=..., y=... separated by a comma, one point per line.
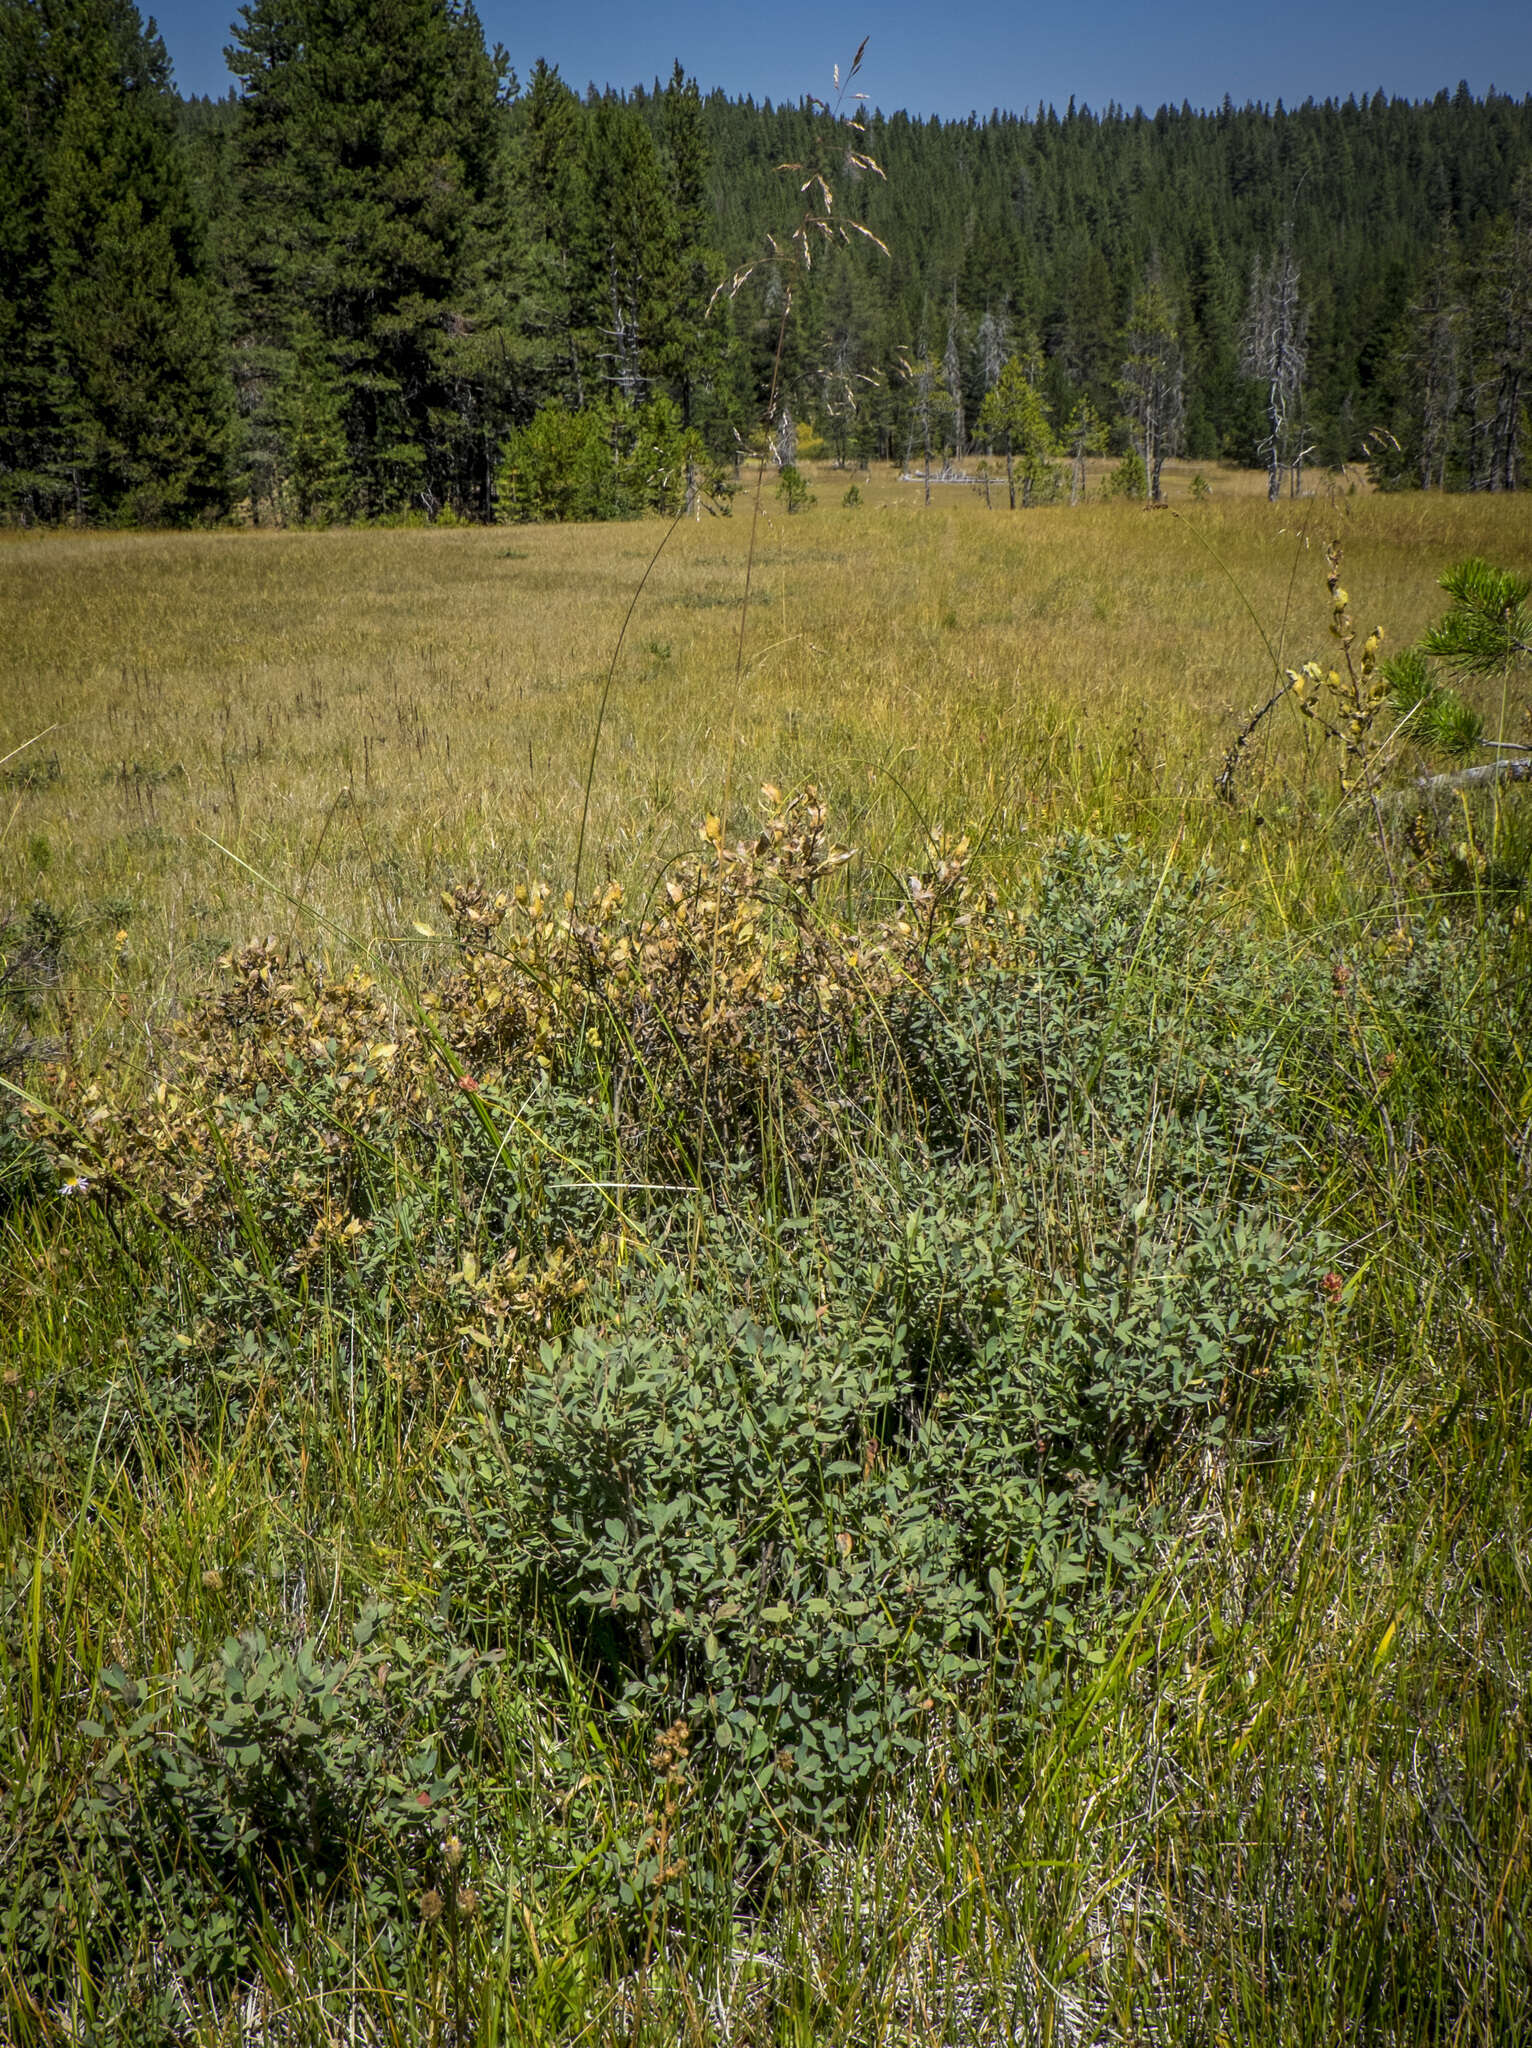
x=363, y=717
x=1293, y=1802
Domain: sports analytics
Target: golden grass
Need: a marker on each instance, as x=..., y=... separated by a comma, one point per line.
x=365, y=716
x=1301, y=1790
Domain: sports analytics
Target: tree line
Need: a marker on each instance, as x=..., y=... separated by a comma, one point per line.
x=386, y=277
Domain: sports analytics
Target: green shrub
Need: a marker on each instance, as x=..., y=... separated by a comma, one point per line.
x=793, y=489
x=1130, y=479
x=932, y=1235
x=803, y=1525
x=835, y=1472
x=611, y=460
x=206, y=1799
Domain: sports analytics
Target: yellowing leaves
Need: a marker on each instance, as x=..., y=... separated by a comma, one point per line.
x=740, y=948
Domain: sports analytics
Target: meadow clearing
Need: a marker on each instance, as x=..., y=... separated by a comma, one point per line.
x=366, y=717
x=347, y=1379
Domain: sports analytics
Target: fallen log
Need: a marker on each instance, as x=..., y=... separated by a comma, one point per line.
x=1473, y=778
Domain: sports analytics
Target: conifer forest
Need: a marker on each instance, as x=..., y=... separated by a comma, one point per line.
x=386, y=275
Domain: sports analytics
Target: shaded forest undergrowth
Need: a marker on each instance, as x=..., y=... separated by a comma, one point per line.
x=828, y=1456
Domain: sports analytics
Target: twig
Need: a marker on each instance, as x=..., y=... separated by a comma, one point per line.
x=1223, y=781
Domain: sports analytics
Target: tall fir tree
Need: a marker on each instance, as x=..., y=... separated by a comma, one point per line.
x=28, y=115
x=632, y=254
x=695, y=343
x=554, y=348
x=1501, y=345
x=116, y=404
x=1427, y=447
x=367, y=160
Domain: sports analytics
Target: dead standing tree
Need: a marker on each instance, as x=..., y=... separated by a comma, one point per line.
x=1085, y=434
x=929, y=411
x=1153, y=382
x=994, y=346
x=1274, y=347
x=952, y=376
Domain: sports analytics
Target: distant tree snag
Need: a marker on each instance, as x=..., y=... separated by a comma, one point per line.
x=1274, y=348
x=1153, y=382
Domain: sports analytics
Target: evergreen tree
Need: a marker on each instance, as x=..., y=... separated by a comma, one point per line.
x=633, y=253
x=1083, y=327
x=1501, y=330
x=695, y=340
x=367, y=159
x=1012, y=415
x=551, y=200
x=116, y=403
x=1085, y=434
x=29, y=484
x=848, y=366
x=1427, y=447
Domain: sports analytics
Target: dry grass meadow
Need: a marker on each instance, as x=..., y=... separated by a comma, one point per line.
x=254, y=1324
x=238, y=724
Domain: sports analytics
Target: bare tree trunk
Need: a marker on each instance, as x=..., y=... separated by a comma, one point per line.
x=1154, y=382
x=1273, y=347
x=992, y=347
x=952, y=370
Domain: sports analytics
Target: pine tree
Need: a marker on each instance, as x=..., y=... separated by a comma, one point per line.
x=29, y=487
x=633, y=278
x=1432, y=357
x=1012, y=415
x=550, y=199
x=1082, y=330
x=696, y=342
x=1501, y=331
x=118, y=405
x=367, y=157
x=1084, y=434
x=847, y=371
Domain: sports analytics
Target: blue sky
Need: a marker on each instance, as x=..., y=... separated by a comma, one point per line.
x=977, y=54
